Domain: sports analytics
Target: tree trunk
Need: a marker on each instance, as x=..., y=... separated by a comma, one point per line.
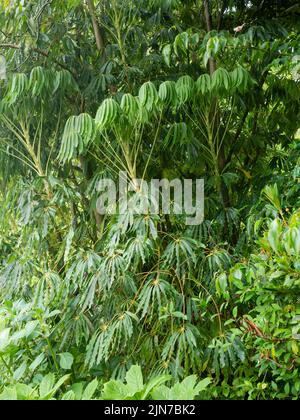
x=97, y=31
x=221, y=155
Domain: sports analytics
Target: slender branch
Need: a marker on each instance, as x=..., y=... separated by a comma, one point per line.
x=13, y=46
x=207, y=14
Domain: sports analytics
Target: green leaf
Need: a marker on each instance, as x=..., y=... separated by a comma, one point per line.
x=69, y=396
x=155, y=382
x=107, y=113
x=90, y=390
x=134, y=379
x=4, y=339
x=46, y=385
x=37, y=362
x=66, y=361
x=114, y=390
x=167, y=52
x=9, y=394
x=19, y=373
x=185, y=390
x=274, y=234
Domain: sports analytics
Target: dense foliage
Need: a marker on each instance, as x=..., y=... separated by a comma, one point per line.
x=169, y=89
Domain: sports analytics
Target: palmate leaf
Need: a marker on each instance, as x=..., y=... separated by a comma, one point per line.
x=221, y=79
x=181, y=348
x=138, y=250
x=178, y=134
x=154, y=295
x=45, y=81
x=146, y=226
x=41, y=82
x=218, y=259
x=79, y=132
x=226, y=353
x=241, y=79
x=204, y=84
x=85, y=263
x=184, y=89
x=37, y=80
x=64, y=81
x=94, y=285
x=50, y=291
x=110, y=338
x=77, y=329
x=114, y=265
x=224, y=81
x=18, y=86
x=130, y=106
x=148, y=96
x=13, y=278
x=167, y=93
x=107, y=113
x=181, y=253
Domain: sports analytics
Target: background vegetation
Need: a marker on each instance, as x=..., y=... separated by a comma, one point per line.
x=160, y=88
